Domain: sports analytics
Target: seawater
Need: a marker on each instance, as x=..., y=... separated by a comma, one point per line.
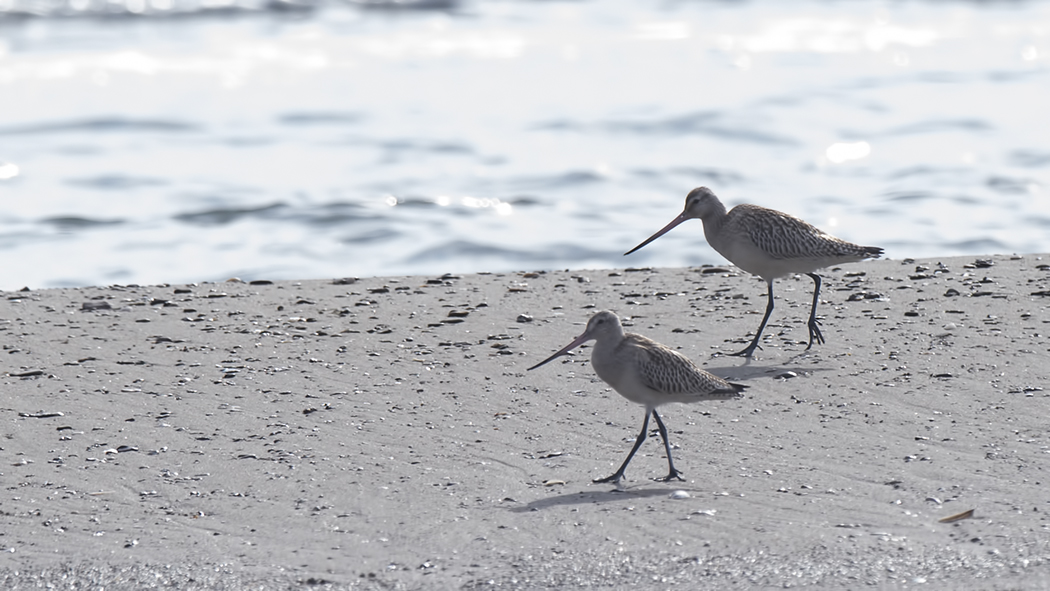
x=152, y=141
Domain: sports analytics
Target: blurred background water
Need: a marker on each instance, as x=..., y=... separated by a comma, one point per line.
x=152, y=141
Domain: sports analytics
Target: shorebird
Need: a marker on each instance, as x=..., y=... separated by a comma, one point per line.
x=648, y=373
x=770, y=244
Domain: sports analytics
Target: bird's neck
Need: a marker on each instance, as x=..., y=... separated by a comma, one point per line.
x=714, y=218
x=606, y=362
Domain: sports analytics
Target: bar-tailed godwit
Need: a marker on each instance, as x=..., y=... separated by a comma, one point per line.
x=770, y=244
x=648, y=373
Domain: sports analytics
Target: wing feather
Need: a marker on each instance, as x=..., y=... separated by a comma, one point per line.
x=669, y=372
x=784, y=236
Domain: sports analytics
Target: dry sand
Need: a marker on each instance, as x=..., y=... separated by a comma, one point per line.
x=384, y=434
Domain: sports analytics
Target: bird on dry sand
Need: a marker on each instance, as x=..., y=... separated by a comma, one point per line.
x=648, y=373
x=770, y=244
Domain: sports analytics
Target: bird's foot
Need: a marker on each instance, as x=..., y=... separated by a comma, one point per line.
x=815, y=336
x=748, y=352
x=672, y=475
x=615, y=479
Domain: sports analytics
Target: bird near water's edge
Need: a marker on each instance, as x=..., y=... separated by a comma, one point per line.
x=769, y=244
x=647, y=373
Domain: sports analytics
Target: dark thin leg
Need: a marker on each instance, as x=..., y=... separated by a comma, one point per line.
x=667, y=446
x=637, y=443
x=754, y=343
x=814, y=328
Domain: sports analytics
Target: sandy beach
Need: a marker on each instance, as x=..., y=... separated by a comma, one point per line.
x=383, y=433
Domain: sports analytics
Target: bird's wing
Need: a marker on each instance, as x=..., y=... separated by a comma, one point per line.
x=667, y=371
x=785, y=236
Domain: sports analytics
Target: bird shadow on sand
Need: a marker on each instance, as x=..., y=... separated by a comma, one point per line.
x=587, y=497
x=748, y=371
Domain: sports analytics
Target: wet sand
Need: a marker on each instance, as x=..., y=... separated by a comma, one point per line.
x=383, y=433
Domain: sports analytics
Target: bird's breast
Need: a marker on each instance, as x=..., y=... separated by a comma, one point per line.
x=620, y=367
x=608, y=367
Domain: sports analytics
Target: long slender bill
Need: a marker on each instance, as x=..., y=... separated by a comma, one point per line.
x=583, y=338
x=681, y=218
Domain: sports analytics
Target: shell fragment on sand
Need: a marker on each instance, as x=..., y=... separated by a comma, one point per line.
x=957, y=517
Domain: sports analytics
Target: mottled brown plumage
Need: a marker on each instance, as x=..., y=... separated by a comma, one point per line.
x=648, y=373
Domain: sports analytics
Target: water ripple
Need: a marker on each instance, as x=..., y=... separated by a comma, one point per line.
x=1030, y=158
x=709, y=123
x=321, y=118
x=332, y=214
x=701, y=123
x=217, y=217
x=919, y=171
x=410, y=145
x=910, y=196
x=1014, y=75
x=942, y=126
x=100, y=125
x=979, y=245
x=693, y=175
x=116, y=182
x=78, y=223
x=144, y=8
x=574, y=178
x=406, y=4
x=717, y=176
x=469, y=250
x=372, y=236
x=1010, y=185
x=186, y=8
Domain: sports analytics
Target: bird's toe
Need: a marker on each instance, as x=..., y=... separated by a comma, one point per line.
x=615, y=479
x=673, y=475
